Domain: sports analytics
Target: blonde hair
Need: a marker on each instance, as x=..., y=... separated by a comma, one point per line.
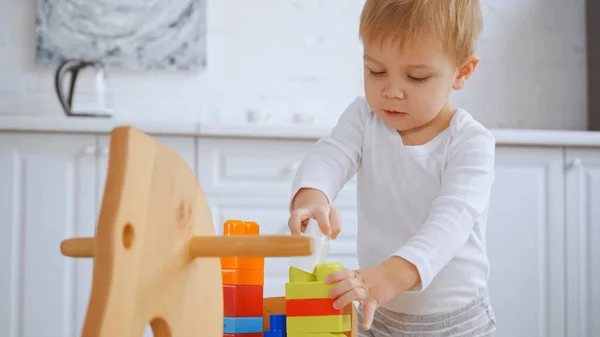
x=456, y=23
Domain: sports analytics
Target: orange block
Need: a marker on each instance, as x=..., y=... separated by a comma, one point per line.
x=249, y=263
x=243, y=277
x=239, y=227
x=311, y=307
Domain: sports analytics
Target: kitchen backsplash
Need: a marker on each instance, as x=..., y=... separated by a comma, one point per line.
x=284, y=57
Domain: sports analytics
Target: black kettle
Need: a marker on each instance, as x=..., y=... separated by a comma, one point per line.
x=73, y=67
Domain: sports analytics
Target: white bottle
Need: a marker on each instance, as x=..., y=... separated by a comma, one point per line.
x=308, y=263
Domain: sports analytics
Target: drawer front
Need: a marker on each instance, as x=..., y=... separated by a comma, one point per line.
x=250, y=166
x=272, y=216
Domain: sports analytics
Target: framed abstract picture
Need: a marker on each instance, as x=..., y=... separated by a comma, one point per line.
x=149, y=34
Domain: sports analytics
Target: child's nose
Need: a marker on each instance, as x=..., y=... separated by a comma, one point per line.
x=393, y=91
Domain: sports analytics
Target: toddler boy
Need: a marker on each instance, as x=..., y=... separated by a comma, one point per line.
x=425, y=170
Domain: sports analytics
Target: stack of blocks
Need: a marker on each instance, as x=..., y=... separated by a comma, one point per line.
x=309, y=310
x=243, y=281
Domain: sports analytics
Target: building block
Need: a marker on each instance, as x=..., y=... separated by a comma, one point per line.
x=277, y=326
x=255, y=334
x=276, y=305
x=243, y=277
x=298, y=275
x=239, y=227
x=277, y=322
x=318, y=324
x=311, y=307
x=242, y=300
x=299, y=288
x=324, y=269
x=242, y=325
x=307, y=290
x=251, y=263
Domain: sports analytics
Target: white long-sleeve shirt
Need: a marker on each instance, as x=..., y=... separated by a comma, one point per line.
x=426, y=203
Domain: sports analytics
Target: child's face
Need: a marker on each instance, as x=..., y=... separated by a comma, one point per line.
x=409, y=86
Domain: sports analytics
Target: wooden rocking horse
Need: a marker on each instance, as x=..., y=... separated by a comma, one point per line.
x=156, y=255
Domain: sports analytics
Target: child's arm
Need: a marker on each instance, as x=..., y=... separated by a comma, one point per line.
x=463, y=197
x=329, y=165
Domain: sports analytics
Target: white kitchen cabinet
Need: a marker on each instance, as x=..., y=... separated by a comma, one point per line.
x=251, y=167
x=46, y=195
x=525, y=242
x=543, y=231
x=583, y=241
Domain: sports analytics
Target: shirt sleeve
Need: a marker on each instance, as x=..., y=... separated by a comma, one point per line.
x=334, y=158
x=463, y=197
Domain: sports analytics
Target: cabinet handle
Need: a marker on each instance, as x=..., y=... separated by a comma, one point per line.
x=105, y=151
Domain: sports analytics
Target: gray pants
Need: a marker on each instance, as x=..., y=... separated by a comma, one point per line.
x=473, y=320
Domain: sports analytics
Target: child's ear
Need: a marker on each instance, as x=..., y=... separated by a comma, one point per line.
x=465, y=71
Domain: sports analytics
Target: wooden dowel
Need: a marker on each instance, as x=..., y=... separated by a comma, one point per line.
x=251, y=246
x=77, y=247
x=216, y=246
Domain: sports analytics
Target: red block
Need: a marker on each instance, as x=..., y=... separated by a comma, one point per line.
x=243, y=301
x=311, y=307
x=258, y=334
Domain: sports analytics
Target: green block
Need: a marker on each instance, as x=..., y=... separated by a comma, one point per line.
x=297, y=275
x=318, y=324
x=306, y=290
x=324, y=269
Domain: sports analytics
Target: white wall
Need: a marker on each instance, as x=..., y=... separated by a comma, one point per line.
x=286, y=56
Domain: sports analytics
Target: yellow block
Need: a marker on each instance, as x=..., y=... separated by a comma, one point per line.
x=297, y=275
x=318, y=324
x=305, y=290
x=323, y=334
x=324, y=269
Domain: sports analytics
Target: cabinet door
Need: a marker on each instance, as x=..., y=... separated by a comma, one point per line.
x=525, y=243
x=272, y=215
x=46, y=195
x=583, y=242
x=253, y=167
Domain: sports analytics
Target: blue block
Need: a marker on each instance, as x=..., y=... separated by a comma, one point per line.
x=277, y=323
x=274, y=334
x=242, y=324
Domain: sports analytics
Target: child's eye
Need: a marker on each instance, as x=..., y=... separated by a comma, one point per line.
x=377, y=73
x=418, y=79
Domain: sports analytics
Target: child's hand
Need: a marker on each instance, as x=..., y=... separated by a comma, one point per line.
x=327, y=216
x=372, y=287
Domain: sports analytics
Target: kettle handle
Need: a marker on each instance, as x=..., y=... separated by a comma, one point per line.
x=72, y=66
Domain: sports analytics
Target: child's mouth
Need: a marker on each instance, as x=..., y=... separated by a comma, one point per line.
x=394, y=113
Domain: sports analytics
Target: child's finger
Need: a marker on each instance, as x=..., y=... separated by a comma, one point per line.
x=295, y=221
x=369, y=307
x=354, y=294
x=339, y=275
x=322, y=217
x=335, y=221
x=344, y=286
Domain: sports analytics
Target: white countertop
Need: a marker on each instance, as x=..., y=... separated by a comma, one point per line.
x=98, y=125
